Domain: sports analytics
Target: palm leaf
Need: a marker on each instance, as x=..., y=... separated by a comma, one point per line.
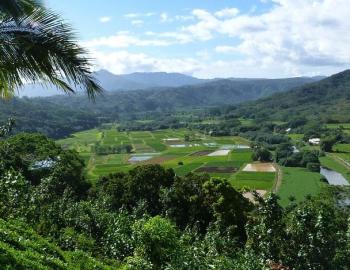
x=41, y=47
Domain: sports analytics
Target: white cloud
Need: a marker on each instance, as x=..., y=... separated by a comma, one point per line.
x=139, y=15
x=206, y=24
x=294, y=32
x=120, y=62
x=183, y=17
x=105, y=19
x=137, y=22
x=164, y=17
x=132, y=15
x=123, y=40
x=226, y=49
x=294, y=37
x=227, y=13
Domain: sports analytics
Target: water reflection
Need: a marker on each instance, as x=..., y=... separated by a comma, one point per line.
x=333, y=177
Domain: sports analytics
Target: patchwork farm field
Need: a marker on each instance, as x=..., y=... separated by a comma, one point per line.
x=183, y=150
x=298, y=183
x=344, y=126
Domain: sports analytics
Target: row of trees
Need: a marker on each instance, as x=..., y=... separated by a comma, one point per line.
x=101, y=149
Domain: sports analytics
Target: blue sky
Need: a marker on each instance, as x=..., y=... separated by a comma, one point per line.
x=213, y=38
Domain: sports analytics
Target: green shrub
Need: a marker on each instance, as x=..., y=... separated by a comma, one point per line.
x=313, y=167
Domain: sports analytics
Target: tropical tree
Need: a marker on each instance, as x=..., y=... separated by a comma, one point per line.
x=261, y=154
x=37, y=46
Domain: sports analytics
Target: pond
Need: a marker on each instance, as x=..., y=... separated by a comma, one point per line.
x=178, y=145
x=139, y=158
x=234, y=146
x=184, y=145
x=333, y=177
x=212, y=144
x=219, y=153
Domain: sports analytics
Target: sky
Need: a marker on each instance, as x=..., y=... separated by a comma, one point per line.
x=213, y=38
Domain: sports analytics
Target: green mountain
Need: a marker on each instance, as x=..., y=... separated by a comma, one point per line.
x=216, y=93
x=58, y=116
x=327, y=100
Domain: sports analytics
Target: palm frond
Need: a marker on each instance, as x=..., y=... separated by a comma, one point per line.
x=41, y=47
x=16, y=9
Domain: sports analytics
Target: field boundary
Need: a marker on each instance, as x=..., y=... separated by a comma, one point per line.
x=340, y=160
x=279, y=176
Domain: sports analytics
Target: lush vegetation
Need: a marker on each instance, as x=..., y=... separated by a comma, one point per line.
x=327, y=100
x=148, y=218
x=37, y=45
x=22, y=248
x=165, y=188
x=60, y=116
x=47, y=118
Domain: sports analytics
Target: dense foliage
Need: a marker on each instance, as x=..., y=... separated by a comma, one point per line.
x=327, y=100
x=149, y=218
x=45, y=117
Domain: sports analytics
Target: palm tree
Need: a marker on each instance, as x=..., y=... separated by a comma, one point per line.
x=37, y=46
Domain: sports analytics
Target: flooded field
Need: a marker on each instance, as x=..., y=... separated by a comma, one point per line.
x=333, y=177
x=219, y=153
x=259, y=167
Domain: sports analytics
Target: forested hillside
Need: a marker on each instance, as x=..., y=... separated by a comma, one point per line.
x=44, y=116
x=123, y=82
x=209, y=94
x=327, y=100
x=59, y=116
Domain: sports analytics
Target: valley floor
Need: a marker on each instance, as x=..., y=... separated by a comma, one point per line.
x=190, y=151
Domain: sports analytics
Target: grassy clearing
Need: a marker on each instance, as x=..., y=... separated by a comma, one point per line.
x=298, y=182
x=253, y=180
x=182, y=170
x=342, y=148
x=344, y=126
x=342, y=151
x=295, y=137
x=344, y=156
x=339, y=125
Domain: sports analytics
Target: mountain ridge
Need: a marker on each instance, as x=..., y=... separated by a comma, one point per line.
x=328, y=100
x=136, y=81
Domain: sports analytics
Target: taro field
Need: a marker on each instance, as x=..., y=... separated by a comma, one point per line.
x=182, y=150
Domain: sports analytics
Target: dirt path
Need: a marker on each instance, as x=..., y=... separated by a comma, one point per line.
x=91, y=165
x=340, y=160
x=279, y=176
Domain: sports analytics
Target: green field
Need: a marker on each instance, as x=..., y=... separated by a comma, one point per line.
x=253, y=180
x=182, y=159
x=342, y=151
x=344, y=126
x=298, y=182
x=295, y=137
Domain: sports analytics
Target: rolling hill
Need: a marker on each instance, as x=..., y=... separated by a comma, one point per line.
x=58, y=116
x=153, y=80
x=124, y=82
x=214, y=93
x=328, y=100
